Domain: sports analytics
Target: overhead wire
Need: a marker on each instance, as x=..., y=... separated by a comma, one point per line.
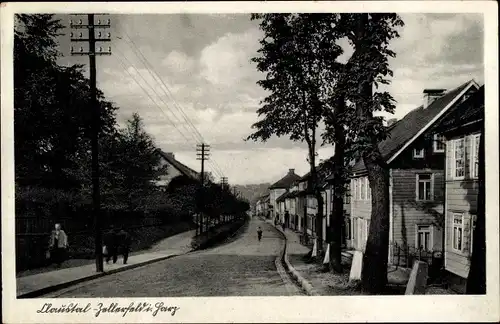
x=215, y=167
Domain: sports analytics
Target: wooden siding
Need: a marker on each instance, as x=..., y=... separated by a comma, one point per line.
x=408, y=212
x=461, y=198
x=431, y=160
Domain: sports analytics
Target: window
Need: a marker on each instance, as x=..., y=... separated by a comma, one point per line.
x=424, y=187
x=458, y=159
x=439, y=143
x=368, y=189
x=424, y=237
x=362, y=188
x=418, y=153
x=474, y=163
x=457, y=232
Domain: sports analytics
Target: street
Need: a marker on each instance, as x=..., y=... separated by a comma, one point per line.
x=242, y=267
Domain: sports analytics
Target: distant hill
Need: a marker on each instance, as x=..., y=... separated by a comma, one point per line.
x=252, y=192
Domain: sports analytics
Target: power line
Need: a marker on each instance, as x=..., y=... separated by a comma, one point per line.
x=169, y=94
x=218, y=172
x=148, y=66
x=147, y=93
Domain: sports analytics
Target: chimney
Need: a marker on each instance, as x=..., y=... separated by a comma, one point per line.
x=391, y=121
x=432, y=94
x=170, y=155
x=290, y=171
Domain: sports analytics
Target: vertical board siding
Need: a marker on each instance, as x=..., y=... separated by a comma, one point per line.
x=461, y=198
x=408, y=212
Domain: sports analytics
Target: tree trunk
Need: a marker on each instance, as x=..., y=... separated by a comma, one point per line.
x=337, y=219
x=336, y=234
x=374, y=272
x=476, y=281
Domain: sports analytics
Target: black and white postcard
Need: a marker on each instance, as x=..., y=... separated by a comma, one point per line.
x=250, y=162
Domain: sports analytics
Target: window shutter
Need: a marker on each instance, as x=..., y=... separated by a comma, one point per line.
x=466, y=230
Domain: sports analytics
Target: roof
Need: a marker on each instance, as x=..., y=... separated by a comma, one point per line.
x=184, y=169
x=407, y=129
x=282, y=197
x=285, y=182
x=469, y=111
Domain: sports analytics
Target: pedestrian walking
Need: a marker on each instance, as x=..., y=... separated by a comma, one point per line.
x=287, y=218
x=259, y=233
x=111, y=245
x=283, y=226
x=125, y=241
x=58, y=245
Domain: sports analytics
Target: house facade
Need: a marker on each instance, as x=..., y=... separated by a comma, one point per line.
x=416, y=159
x=462, y=131
x=278, y=189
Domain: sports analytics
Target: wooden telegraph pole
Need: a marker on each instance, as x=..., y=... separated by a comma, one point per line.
x=92, y=53
x=202, y=151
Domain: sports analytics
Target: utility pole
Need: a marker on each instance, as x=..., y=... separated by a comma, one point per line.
x=92, y=53
x=223, y=182
x=202, y=152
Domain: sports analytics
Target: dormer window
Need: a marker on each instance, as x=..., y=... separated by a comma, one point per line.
x=439, y=143
x=418, y=153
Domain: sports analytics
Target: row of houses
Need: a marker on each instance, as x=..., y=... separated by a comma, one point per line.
x=433, y=160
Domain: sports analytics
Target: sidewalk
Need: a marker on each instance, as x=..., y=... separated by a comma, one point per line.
x=321, y=283
x=318, y=282
x=42, y=283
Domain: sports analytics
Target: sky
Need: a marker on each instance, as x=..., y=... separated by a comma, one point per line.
x=189, y=76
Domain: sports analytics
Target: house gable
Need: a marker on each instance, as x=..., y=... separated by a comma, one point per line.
x=403, y=133
x=459, y=95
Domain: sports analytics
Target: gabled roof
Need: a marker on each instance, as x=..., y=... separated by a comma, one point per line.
x=285, y=182
x=182, y=168
x=467, y=112
x=406, y=130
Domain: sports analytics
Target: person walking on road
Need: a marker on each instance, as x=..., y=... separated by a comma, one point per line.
x=125, y=241
x=111, y=244
x=283, y=226
x=259, y=233
x=58, y=245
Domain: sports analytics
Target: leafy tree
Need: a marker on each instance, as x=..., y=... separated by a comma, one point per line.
x=131, y=159
x=51, y=116
x=296, y=54
x=370, y=35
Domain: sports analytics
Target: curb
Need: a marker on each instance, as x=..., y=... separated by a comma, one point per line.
x=46, y=290
x=306, y=285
